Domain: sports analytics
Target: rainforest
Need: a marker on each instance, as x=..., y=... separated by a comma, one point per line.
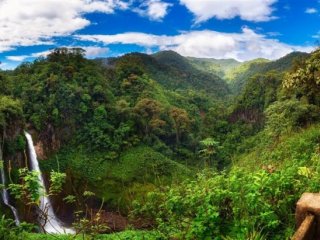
x=157, y=146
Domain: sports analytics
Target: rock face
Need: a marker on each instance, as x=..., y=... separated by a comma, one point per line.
x=40, y=150
x=308, y=217
x=15, y=159
x=46, y=142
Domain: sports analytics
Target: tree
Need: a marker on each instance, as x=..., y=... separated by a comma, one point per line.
x=148, y=111
x=181, y=121
x=10, y=109
x=134, y=85
x=209, y=149
x=65, y=55
x=285, y=116
x=305, y=81
x=98, y=130
x=5, y=83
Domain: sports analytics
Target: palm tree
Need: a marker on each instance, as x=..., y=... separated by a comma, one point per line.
x=209, y=149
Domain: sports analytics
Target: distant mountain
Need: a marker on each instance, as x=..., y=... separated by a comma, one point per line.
x=174, y=72
x=219, y=67
x=256, y=84
x=236, y=74
x=238, y=77
x=218, y=77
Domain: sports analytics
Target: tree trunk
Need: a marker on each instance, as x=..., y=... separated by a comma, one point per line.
x=177, y=136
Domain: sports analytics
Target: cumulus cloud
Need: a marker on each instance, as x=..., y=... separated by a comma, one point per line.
x=311, y=10
x=17, y=58
x=250, y=10
x=36, y=22
x=242, y=46
x=21, y=58
x=91, y=52
x=153, y=9
x=137, y=38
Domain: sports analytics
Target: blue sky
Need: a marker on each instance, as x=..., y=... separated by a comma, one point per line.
x=242, y=29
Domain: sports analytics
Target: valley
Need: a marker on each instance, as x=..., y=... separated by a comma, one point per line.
x=157, y=146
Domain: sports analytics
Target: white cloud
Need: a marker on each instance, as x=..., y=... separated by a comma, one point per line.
x=36, y=22
x=21, y=58
x=91, y=52
x=242, y=46
x=137, y=38
x=39, y=54
x=17, y=58
x=153, y=9
x=311, y=10
x=250, y=10
x=317, y=35
x=5, y=66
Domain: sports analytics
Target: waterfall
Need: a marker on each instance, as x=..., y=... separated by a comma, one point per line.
x=51, y=224
x=5, y=196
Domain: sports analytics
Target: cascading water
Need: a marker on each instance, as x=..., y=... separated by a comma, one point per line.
x=5, y=196
x=51, y=223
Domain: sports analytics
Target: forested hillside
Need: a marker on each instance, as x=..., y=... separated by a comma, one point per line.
x=161, y=146
x=174, y=72
x=238, y=76
x=220, y=67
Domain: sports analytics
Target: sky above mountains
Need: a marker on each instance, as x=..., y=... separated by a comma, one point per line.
x=239, y=29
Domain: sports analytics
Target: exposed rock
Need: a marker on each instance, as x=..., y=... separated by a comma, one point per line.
x=46, y=142
x=39, y=150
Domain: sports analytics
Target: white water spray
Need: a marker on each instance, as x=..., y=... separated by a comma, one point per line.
x=5, y=197
x=50, y=222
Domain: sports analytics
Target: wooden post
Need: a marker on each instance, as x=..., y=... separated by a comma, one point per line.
x=308, y=217
x=306, y=229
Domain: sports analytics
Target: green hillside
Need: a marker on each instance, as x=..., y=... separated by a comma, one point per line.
x=219, y=67
x=174, y=72
x=153, y=146
x=238, y=76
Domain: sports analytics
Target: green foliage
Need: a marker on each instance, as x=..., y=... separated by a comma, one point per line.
x=10, y=110
x=286, y=116
x=209, y=149
x=305, y=80
x=173, y=72
x=12, y=146
x=220, y=67
x=122, y=127
x=260, y=91
x=29, y=191
x=132, y=235
x=113, y=109
x=125, y=235
x=230, y=204
x=290, y=148
x=148, y=111
x=67, y=83
x=57, y=180
x=9, y=230
x=70, y=199
x=181, y=121
x=142, y=162
x=96, y=133
x=115, y=181
x=238, y=77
